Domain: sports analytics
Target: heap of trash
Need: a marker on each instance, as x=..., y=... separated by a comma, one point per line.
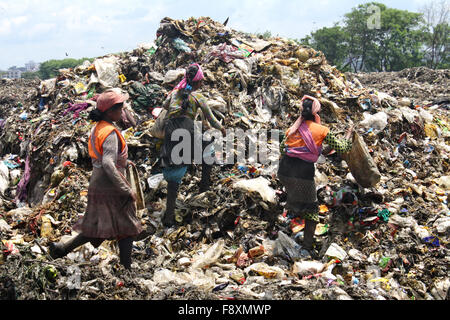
x=236, y=241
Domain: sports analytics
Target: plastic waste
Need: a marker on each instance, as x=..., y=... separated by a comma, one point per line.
x=4, y=178
x=210, y=256
x=442, y=225
x=256, y=252
x=425, y=115
x=285, y=246
x=260, y=185
x=444, y=182
x=4, y=226
x=335, y=251
x=384, y=214
x=440, y=289
x=308, y=267
x=409, y=222
x=432, y=241
x=238, y=276
x=183, y=262
x=46, y=227
x=221, y=287
x=179, y=44
x=263, y=269
x=74, y=278
x=155, y=180
x=377, y=121
x=357, y=255
x=10, y=248
x=107, y=71
x=173, y=75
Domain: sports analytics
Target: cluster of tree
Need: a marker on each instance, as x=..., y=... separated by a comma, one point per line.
x=49, y=69
x=373, y=38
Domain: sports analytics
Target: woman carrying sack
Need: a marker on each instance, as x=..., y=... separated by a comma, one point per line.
x=303, y=146
x=182, y=106
x=111, y=210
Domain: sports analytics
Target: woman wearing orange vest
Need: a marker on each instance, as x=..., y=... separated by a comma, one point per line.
x=111, y=211
x=303, y=146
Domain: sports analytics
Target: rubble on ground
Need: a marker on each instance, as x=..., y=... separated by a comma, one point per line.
x=235, y=241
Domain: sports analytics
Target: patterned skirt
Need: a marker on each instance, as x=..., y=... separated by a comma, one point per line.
x=301, y=196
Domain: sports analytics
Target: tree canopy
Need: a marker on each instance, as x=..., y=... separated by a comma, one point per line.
x=49, y=69
x=373, y=37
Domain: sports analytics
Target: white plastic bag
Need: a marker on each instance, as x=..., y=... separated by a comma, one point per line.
x=107, y=71
x=305, y=267
x=174, y=75
x=155, y=180
x=377, y=121
x=336, y=251
x=4, y=178
x=211, y=255
x=260, y=185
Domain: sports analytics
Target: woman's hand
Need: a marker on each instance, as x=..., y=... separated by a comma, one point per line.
x=133, y=196
x=130, y=163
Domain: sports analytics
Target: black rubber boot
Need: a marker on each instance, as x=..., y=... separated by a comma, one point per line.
x=169, y=216
x=205, y=182
x=125, y=246
x=308, y=239
x=59, y=250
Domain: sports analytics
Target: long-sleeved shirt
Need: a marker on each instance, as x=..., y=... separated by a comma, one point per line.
x=298, y=168
x=109, y=164
x=320, y=134
x=196, y=101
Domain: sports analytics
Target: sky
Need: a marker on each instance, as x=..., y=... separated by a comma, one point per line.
x=40, y=30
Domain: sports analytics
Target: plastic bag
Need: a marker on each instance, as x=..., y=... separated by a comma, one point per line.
x=286, y=246
x=377, y=121
x=305, y=267
x=155, y=180
x=336, y=251
x=107, y=71
x=361, y=164
x=263, y=269
x=210, y=256
x=260, y=185
x=4, y=178
x=174, y=75
x=180, y=45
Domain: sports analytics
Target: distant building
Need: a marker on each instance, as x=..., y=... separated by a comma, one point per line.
x=15, y=73
x=32, y=66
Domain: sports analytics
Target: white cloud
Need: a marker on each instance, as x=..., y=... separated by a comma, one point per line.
x=5, y=27
x=40, y=29
x=19, y=20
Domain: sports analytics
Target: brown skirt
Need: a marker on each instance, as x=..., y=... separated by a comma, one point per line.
x=109, y=214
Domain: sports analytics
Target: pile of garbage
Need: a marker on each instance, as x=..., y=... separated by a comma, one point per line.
x=414, y=86
x=235, y=241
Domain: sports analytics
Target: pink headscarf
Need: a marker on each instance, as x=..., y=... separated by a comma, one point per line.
x=315, y=111
x=199, y=76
